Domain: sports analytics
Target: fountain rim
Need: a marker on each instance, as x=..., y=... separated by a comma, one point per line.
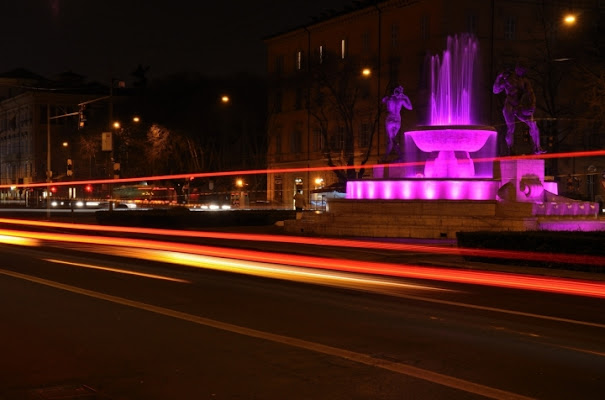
x=469, y=138
x=452, y=127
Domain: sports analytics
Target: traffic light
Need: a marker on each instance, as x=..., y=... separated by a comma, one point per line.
x=70, y=167
x=116, y=170
x=88, y=188
x=82, y=117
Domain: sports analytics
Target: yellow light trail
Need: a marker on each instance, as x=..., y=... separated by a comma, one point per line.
x=487, y=278
x=570, y=259
x=268, y=270
x=20, y=241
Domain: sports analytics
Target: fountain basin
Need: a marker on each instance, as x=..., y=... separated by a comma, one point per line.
x=423, y=189
x=469, y=138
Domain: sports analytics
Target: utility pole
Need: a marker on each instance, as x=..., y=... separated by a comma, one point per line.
x=49, y=172
x=48, y=169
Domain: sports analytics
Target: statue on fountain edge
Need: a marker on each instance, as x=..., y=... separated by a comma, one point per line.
x=394, y=104
x=520, y=103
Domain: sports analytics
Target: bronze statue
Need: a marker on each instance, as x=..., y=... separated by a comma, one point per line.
x=394, y=103
x=520, y=103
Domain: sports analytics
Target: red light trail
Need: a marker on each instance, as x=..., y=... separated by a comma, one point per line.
x=570, y=259
x=596, y=153
x=496, y=279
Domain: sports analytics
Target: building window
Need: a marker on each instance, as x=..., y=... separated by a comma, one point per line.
x=296, y=139
x=343, y=48
x=318, y=140
x=337, y=139
x=320, y=53
x=298, y=102
x=278, y=148
x=424, y=27
x=393, y=71
x=365, y=42
x=364, y=135
x=278, y=101
x=279, y=64
x=394, y=36
x=471, y=23
x=510, y=28
x=279, y=189
x=299, y=60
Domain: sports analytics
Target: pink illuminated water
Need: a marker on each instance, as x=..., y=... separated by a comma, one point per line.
x=452, y=82
x=452, y=127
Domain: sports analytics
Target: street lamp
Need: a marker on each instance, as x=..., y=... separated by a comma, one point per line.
x=569, y=19
x=366, y=72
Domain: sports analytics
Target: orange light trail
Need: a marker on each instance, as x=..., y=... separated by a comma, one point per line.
x=504, y=280
x=571, y=259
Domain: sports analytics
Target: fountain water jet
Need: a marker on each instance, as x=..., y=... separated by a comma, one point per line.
x=446, y=144
x=452, y=132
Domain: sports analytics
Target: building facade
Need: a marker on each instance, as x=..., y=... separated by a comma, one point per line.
x=34, y=113
x=24, y=133
x=327, y=80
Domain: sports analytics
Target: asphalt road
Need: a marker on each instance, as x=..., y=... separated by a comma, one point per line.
x=70, y=328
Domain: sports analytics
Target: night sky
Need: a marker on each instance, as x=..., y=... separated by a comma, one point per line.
x=102, y=39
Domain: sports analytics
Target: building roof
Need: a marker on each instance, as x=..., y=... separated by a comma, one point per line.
x=21, y=73
x=329, y=14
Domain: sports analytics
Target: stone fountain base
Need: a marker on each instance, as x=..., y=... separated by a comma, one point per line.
x=516, y=199
x=439, y=219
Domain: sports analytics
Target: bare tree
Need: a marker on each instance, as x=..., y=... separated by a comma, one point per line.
x=564, y=59
x=167, y=151
x=89, y=147
x=339, y=102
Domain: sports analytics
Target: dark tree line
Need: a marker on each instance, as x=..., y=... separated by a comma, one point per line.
x=184, y=127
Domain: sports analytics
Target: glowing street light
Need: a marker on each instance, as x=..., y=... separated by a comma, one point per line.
x=366, y=72
x=239, y=183
x=569, y=19
x=225, y=99
x=116, y=125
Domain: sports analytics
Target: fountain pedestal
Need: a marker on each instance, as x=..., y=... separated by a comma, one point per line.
x=452, y=143
x=525, y=180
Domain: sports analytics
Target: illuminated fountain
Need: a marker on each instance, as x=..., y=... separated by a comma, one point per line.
x=452, y=133
x=440, y=155
x=451, y=179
